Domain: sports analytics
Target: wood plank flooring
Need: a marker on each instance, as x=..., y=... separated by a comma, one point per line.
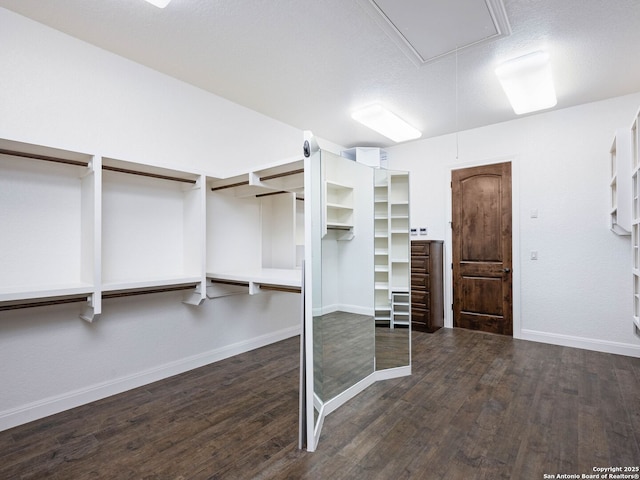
x=478, y=406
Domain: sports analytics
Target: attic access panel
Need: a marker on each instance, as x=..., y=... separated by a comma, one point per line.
x=428, y=30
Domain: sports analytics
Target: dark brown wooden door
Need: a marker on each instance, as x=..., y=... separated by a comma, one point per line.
x=482, y=266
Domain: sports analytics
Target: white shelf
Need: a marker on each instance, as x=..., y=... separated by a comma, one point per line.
x=44, y=291
x=150, y=283
x=338, y=206
x=268, y=276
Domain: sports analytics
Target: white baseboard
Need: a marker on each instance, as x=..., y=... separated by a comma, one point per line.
x=605, y=346
x=59, y=403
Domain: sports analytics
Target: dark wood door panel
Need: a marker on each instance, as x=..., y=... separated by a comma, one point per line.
x=480, y=221
x=481, y=248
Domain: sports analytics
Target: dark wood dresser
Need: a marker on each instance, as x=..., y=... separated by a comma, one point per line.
x=427, y=292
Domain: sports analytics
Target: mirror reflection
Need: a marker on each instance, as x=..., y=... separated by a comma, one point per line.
x=343, y=326
x=392, y=269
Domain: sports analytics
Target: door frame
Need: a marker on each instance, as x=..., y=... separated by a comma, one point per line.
x=515, y=238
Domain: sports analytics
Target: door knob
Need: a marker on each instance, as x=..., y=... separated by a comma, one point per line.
x=506, y=270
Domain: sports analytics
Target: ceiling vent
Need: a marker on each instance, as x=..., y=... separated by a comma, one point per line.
x=428, y=30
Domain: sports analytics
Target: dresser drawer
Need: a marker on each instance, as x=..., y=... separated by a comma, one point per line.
x=419, y=281
x=419, y=319
x=419, y=248
x=420, y=298
x=420, y=264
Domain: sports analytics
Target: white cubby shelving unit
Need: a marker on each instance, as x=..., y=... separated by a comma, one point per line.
x=391, y=243
x=152, y=229
x=79, y=227
x=381, y=248
x=255, y=230
x=635, y=216
x=48, y=199
x=620, y=184
x=400, y=309
x=399, y=230
x=338, y=207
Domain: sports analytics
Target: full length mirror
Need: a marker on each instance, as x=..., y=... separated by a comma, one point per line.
x=357, y=313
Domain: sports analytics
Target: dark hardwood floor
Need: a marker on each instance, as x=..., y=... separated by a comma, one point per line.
x=478, y=406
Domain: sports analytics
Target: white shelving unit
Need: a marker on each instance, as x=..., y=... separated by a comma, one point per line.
x=635, y=216
x=620, y=184
x=399, y=231
x=381, y=248
x=82, y=228
x=152, y=228
x=391, y=242
x=400, y=309
x=48, y=198
x=255, y=230
x=338, y=202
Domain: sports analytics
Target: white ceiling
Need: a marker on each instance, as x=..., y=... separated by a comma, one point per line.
x=308, y=63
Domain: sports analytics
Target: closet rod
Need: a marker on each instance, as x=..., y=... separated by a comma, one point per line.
x=42, y=303
x=229, y=282
x=231, y=185
x=131, y=293
x=285, y=174
x=279, y=288
x=270, y=193
x=46, y=158
x=147, y=174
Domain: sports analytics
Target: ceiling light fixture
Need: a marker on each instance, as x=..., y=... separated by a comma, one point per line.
x=159, y=3
x=386, y=123
x=528, y=82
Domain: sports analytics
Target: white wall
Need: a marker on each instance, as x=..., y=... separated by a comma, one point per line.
x=579, y=291
x=60, y=92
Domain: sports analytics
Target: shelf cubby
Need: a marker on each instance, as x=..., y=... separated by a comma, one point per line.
x=255, y=230
x=338, y=203
x=47, y=202
x=152, y=227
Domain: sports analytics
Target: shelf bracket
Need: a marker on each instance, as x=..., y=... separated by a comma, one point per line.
x=198, y=183
x=92, y=309
x=254, y=288
x=195, y=297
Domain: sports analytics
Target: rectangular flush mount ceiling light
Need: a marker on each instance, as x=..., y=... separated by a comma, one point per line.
x=385, y=123
x=159, y=3
x=528, y=82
